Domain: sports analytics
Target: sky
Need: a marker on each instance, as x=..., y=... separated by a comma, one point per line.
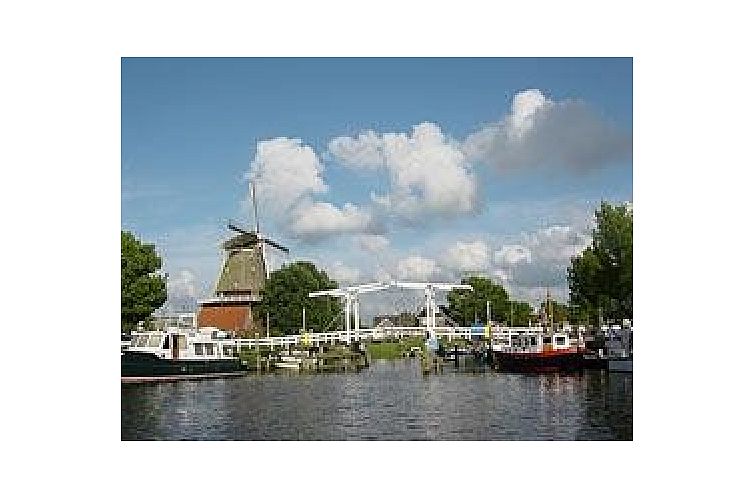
x=376, y=169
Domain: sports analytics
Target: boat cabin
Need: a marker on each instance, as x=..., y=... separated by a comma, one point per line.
x=205, y=343
x=618, y=341
x=537, y=340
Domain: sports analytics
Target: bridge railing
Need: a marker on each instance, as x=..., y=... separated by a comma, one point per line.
x=316, y=339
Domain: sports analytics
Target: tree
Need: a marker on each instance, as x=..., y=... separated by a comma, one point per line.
x=142, y=290
x=467, y=306
x=286, y=293
x=557, y=312
x=601, y=277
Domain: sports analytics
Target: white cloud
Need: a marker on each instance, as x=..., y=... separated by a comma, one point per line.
x=540, y=261
x=364, y=151
x=342, y=273
x=286, y=172
x=184, y=290
x=373, y=243
x=417, y=268
x=556, y=243
x=540, y=132
x=288, y=175
x=429, y=174
x=468, y=256
x=512, y=255
x=321, y=219
x=193, y=249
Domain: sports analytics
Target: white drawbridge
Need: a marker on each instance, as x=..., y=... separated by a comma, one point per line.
x=351, y=295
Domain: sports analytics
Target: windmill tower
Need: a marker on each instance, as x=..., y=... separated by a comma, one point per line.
x=240, y=281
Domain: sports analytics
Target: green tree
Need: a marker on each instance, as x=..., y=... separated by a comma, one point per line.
x=467, y=306
x=558, y=312
x=142, y=290
x=286, y=293
x=601, y=277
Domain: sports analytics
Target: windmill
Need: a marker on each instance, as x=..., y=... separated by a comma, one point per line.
x=241, y=279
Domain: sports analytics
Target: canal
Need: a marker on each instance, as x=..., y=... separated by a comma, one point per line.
x=390, y=400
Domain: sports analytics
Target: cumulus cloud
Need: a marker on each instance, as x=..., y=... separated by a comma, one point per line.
x=373, y=243
x=556, y=243
x=417, y=268
x=540, y=132
x=286, y=172
x=464, y=257
x=364, y=151
x=183, y=291
x=288, y=175
x=429, y=173
x=342, y=273
x=319, y=220
x=511, y=255
x=540, y=261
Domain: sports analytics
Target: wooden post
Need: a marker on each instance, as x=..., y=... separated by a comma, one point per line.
x=259, y=359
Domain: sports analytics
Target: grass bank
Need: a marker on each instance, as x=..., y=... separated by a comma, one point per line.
x=393, y=350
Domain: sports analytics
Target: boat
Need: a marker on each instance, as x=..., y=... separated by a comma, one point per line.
x=288, y=362
x=179, y=353
x=125, y=342
x=620, y=349
x=535, y=349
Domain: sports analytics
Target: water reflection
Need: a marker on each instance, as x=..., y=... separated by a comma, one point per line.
x=387, y=401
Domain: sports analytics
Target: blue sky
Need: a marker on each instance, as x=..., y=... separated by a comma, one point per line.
x=449, y=166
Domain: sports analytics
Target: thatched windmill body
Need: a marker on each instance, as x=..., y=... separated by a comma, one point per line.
x=240, y=282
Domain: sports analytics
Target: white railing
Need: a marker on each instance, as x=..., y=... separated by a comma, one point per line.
x=316, y=339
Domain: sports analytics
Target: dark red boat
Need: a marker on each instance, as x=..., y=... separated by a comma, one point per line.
x=535, y=350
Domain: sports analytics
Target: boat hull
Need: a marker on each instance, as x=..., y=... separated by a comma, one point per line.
x=621, y=365
x=139, y=366
x=538, y=362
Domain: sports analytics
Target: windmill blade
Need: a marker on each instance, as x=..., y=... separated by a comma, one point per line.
x=233, y=227
x=275, y=245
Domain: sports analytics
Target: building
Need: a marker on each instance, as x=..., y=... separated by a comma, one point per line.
x=238, y=291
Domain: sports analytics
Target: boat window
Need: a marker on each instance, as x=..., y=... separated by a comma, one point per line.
x=141, y=341
x=547, y=340
x=227, y=350
x=166, y=343
x=154, y=341
x=560, y=341
x=133, y=341
x=533, y=341
x=198, y=349
x=182, y=342
x=210, y=349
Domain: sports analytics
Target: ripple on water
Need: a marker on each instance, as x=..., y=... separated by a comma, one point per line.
x=387, y=401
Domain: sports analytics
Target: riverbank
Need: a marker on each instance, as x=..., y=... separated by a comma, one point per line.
x=393, y=350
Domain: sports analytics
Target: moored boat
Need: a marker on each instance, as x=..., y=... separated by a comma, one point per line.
x=620, y=349
x=288, y=362
x=179, y=354
x=537, y=350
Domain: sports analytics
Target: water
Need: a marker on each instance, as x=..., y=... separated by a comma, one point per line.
x=387, y=401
